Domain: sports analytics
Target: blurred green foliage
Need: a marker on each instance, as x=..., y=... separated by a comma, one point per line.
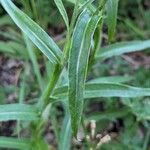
x=132, y=128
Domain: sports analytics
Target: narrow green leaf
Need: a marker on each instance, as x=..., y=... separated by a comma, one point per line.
x=112, y=9
x=13, y=143
x=12, y=48
x=134, y=27
x=65, y=133
x=38, y=36
x=65, y=136
x=5, y=20
x=87, y=4
x=12, y=35
x=34, y=61
x=109, y=114
x=21, y=112
x=121, y=48
x=19, y=50
x=84, y=3
x=78, y=63
x=22, y=89
x=94, y=90
x=115, y=90
x=5, y=47
x=62, y=11
x=76, y=83
x=113, y=79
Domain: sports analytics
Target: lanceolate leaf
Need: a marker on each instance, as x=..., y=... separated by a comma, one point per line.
x=78, y=63
x=112, y=9
x=18, y=112
x=76, y=83
x=113, y=79
x=38, y=36
x=121, y=48
x=94, y=90
x=62, y=11
x=14, y=143
x=115, y=90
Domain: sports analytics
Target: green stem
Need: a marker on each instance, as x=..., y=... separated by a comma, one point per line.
x=44, y=100
x=51, y=85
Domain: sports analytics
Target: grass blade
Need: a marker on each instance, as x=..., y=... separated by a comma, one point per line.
x=20, y=112
x=14, y=143
x=121, y=48
x=109, y=114
x=38, y=36
x=115, y=90
x=134, y=28
x=12, y=35
x=5, y=20
x=65, y=133
x=78, y=63
x=13, y=49
x=83, y=3
x=76, y=89
x=112, y=9
x=65, y=136
x=63, y=12
x=95, y=90
x=34, y=61
x=86, y=4
x=5, y=47
x=113, y=79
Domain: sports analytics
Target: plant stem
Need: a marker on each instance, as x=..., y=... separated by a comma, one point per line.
x=51, y=85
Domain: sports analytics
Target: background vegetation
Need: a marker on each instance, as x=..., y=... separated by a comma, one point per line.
x=115, y=116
